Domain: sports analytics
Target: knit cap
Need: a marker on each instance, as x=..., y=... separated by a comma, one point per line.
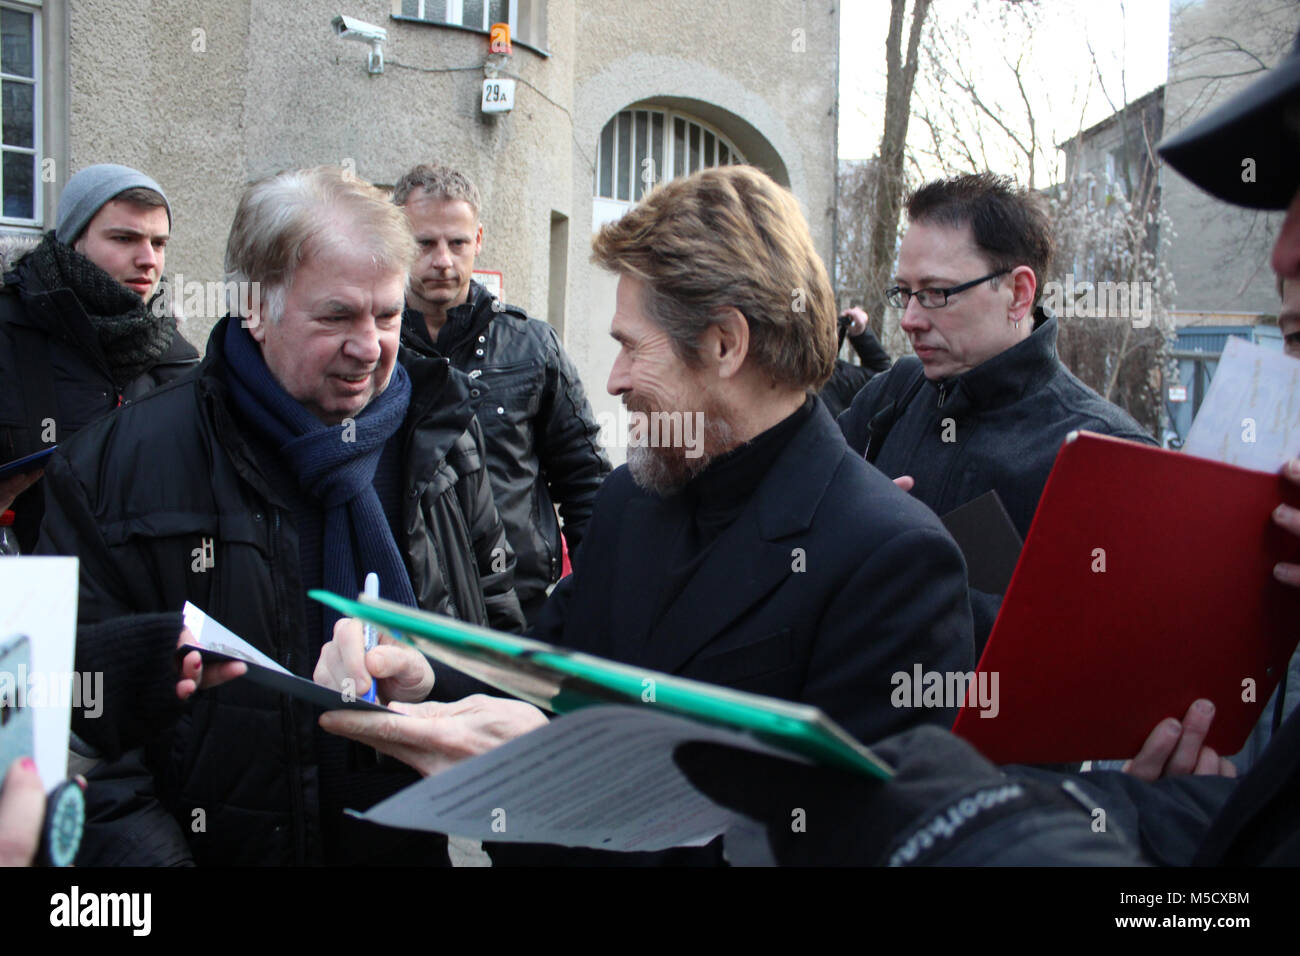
x=89, y=189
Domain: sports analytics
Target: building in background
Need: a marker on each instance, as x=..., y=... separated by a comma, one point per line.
x=608, y=98
x=1116, y=332
x=1219, y=258
x=1218, y=255
x=1117, y=155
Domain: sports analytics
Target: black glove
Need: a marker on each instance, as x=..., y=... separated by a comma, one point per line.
x=945, y=804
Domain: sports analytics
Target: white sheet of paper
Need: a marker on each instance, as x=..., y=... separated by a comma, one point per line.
x=216, y=637
x=601, y=777
x=38, y=597
x=1251, y=414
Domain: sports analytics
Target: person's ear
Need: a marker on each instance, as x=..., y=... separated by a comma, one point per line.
x=1023, y=288
x=252, y=315
x=478, y=240
x=727, y=341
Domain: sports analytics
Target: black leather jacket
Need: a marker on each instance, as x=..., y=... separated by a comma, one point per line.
x=141, y=495
x=541, y=436
x=54, y=380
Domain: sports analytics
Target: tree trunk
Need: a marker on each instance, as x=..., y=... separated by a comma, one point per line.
x=901, y=77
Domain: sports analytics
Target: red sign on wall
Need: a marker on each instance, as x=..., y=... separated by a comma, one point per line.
x=499, y=39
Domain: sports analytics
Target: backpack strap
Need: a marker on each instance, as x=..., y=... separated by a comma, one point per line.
x=890, y=412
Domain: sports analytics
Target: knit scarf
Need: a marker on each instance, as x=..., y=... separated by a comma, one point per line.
x=333, y=464
x=131, y=336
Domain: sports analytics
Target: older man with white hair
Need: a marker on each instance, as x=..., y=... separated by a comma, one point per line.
x=306, y=452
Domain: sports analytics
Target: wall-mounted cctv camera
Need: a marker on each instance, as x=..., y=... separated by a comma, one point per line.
x=350, y=28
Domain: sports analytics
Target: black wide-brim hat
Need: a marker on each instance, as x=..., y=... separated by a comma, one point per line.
x=1261, y=123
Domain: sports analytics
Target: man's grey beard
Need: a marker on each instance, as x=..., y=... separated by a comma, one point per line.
x=664, y=471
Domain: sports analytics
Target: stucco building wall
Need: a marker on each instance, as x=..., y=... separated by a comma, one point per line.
x=207, y=96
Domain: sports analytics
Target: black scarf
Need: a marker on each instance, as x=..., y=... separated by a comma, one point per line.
x=132, y=336
x=333, y=464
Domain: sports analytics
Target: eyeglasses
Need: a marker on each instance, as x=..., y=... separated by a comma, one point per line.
x=934, y=298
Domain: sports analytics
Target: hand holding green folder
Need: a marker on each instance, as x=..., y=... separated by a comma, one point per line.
x=561, y=681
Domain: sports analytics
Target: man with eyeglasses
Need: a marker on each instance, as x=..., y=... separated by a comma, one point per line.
x=985, y=402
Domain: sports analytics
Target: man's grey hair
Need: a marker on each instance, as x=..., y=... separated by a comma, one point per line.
x=440, y=182
x=283, y=219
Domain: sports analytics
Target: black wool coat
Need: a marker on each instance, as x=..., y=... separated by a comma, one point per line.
x=829, y=582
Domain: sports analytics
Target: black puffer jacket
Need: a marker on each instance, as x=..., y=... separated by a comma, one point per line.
x=140, y=494
x=53, y=377
x=541, y=437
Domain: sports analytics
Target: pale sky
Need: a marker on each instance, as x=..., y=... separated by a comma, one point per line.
x=1130, y=39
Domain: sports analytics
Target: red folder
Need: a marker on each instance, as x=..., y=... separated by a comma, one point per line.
x=1090, y=660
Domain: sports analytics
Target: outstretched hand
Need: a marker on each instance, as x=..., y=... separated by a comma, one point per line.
x=195, y=675
x=433, y=736
x=1174, y=749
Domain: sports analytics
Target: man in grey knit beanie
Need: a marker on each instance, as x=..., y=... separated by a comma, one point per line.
x=92, y=187
x=80, y=332
x=119, y=219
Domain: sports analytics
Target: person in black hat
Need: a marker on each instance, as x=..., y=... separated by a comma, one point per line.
x=1245, y=152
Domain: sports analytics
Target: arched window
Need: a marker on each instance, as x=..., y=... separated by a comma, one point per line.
x=641, y=147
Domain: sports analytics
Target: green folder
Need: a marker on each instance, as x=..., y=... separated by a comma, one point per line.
x=561, y=681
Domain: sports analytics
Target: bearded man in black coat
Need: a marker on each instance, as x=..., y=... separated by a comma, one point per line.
x=743, y=543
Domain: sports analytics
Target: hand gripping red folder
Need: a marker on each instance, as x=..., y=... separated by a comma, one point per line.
x=1145, y=582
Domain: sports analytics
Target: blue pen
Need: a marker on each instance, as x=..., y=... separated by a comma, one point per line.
x=368, y=630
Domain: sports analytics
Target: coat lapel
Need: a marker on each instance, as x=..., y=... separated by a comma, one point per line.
x=753, y=556
x=739, y=572
x=650, y=525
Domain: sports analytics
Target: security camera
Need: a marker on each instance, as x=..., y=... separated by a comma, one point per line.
x=351, y=28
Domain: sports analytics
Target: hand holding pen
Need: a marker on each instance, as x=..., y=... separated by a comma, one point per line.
x=397, y=671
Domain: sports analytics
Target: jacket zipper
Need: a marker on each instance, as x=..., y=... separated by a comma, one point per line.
x=454, y=604
x=286, y=712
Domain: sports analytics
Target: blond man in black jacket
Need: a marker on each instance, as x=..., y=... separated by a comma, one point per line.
x=541, y=435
